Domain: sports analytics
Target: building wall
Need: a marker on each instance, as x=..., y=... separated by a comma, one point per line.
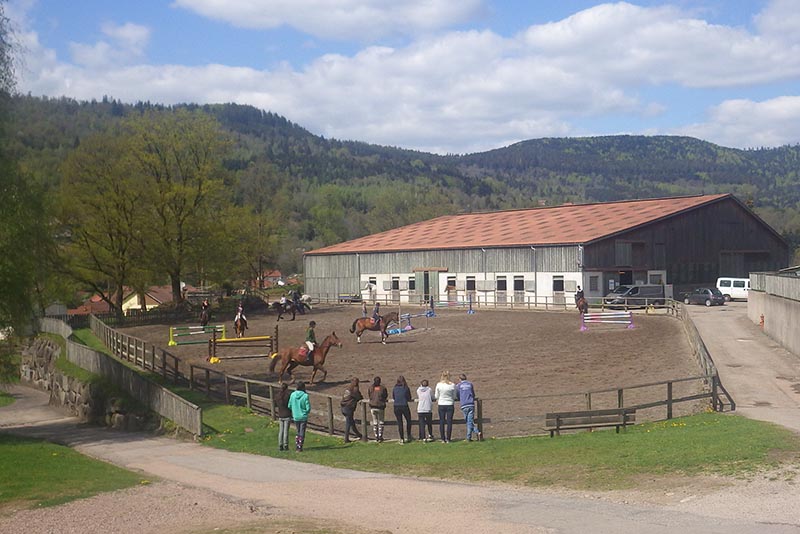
x=720, y=239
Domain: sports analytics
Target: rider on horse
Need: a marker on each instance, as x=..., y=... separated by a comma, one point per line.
x=376, y=313
x=578, y=295
x=240, y=315
x=296, y=301
x=311, y=341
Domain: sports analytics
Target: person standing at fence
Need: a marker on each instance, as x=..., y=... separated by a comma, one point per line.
x=378, y=396
x=425, y=411
x=301, y=407
x=401, y=395
x=465, y=393
x=445, y=397
x=352, y=396
x=284, y=416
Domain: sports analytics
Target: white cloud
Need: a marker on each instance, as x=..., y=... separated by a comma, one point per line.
x=358, y=20
x=748, y=124
x=127, y=45
x=469, y=90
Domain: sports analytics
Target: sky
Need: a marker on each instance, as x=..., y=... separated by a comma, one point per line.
x=443, y=76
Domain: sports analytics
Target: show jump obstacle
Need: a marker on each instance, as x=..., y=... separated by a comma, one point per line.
x=183, y=331
x=268, y=343
x=613, y=317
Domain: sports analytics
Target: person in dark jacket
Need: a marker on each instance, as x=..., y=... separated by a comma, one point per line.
x=465, y=394
x=401, y=395
x=378, y=397
x=284, y=417
x=350, y=399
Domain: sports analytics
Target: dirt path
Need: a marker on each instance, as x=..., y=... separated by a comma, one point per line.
x=207, y=488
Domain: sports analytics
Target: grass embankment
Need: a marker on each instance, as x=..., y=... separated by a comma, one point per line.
x=38, y=473
x=5, y=399
x=707, y=443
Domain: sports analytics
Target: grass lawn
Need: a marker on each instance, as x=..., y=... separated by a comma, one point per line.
x=37, y=473
x=707, y=443
x=5, y=399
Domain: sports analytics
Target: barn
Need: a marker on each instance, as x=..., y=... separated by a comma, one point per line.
x=541, y=255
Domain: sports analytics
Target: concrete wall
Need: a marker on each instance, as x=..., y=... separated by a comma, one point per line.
x=781, y=318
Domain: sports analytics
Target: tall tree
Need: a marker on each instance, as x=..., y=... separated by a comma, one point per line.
x=178, y=158
x=101, y=210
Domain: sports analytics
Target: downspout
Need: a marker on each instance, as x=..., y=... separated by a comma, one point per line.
x=535, y=281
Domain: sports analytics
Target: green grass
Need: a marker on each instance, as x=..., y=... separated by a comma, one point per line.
x=5, y=399
x=702, y=444
x=37, y=473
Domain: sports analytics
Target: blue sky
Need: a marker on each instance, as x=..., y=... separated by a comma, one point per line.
x=436, y=75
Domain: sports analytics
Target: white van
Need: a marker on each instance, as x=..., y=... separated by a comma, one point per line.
x=733, y=288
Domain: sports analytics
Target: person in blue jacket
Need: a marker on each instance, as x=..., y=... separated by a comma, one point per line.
x=465, y=394
x=300, y=407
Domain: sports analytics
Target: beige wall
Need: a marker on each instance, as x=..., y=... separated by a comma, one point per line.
x=781, y=318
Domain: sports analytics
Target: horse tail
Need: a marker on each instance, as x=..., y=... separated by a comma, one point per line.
x=353, y=328
x=272, y=362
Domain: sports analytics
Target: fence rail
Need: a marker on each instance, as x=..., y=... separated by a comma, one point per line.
x=157, y=398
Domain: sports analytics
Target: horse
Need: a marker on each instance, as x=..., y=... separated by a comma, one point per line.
x=365, y=323
x=205, y=316
x=291, y=358
x=239, y=326
x=289, y=307
x=582, y=305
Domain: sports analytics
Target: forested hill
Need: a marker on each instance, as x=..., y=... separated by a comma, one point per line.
x=339, y=190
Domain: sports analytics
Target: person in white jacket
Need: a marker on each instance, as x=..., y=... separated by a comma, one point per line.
x=425, y=411
x=445, y=397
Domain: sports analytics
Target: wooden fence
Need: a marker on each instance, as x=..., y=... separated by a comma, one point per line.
x=155, y=397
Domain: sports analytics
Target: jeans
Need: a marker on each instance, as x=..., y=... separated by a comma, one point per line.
x=301, y=434
x=401, y=412
x=469, y=417
x=446, y=422
x=350, y=424
x=283, y=432
x=425, y=422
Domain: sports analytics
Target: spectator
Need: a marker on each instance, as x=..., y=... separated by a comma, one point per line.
x=465, y=393
x=364, y=309
x=425, y=411
x=350, y=399
x=378, y=396
x=301, y=407
x=401, y=395
x=445, y=397
x=284, y=417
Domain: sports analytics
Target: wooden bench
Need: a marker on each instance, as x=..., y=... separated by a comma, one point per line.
x=616, y=417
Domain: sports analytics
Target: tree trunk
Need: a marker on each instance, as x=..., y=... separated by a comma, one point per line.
x=177, y=294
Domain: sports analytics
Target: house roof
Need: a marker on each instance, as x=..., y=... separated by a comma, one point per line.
x=557, y=225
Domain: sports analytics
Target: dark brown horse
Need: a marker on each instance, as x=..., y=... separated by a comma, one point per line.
x=290, y=358
x=582, y=305
x=290, y=307
x=239, y=326
x=365, y=323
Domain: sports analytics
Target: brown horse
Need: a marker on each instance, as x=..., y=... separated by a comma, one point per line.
x=582, y=305
x=239, y=326
x=290, y=358
x=365, y=323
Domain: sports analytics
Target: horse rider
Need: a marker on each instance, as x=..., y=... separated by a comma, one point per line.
x=240, y=315
x=205, y=312
x=578, y=295
x=296, y=302
x=311, y=341
x=283, y=301
x=376, y=313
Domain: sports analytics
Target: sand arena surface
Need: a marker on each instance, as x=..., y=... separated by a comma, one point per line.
x=508, y=355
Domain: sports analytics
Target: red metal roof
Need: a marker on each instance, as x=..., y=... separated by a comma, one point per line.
x=557, y=225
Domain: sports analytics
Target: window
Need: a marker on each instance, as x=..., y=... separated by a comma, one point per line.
x=656, y=279
x=558, y=284
x=470, y=283
x=395, y=283
x=412, y=283
x=451, y=281
x=502, y=284
x=593, y=283
x=519, y=283
x=373, y=280
x=738, y=283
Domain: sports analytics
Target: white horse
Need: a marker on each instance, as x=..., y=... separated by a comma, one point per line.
x=306, y=299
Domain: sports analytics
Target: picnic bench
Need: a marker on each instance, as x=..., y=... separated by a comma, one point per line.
x=616, y=417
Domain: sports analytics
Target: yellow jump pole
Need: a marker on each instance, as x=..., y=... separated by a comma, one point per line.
x=172, y=342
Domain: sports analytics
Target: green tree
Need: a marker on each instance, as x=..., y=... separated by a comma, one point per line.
x=100, y=207
x=178, y=159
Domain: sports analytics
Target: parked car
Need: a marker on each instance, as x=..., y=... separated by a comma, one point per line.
x=705, y=295
x=636, y=296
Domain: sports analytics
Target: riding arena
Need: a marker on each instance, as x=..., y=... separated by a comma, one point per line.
x=523, y=363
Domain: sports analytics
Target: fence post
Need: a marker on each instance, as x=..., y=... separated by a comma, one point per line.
x=364, y=423
x=246, y=393
x=330, y=415
x=479, y=415
x=669, y=400
x=588, y=401
x=272, y=402
x=227, y=390
x=208, y=383
x=715, y=403
x=620, y=401
x=191, y=377
x=163, y=363
x=275, y=341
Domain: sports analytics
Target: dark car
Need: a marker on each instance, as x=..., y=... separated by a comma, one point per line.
x=705, y=295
